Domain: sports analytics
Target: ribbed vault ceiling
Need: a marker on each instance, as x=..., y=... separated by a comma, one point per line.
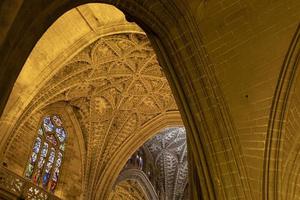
x=129, y=190
x=169, y=153
x=115, y=86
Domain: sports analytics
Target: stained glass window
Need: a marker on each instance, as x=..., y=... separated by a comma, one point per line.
x=47, y=153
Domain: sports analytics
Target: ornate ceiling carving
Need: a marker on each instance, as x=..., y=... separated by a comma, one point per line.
x=115, y=85
x=161, y=164
x=141, y=178
x=169, y=153
x=129, y=190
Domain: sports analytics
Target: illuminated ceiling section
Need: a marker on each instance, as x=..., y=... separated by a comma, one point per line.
x=105, y=69
x=169, y=153
x=129, y=190
x=66, y=37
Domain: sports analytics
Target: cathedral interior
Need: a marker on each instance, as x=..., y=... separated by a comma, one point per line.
x=149, y=99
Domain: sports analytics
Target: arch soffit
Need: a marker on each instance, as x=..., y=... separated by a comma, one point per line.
x=70, y=122
x=40, y=104
x=12, y=114
x=288, y=157
x=170, y=27
x=13, y=111
x=131, y=145
x=141, y=178
x=283, y=97
x=47, y=72
x=57, y=8
x=72, y=126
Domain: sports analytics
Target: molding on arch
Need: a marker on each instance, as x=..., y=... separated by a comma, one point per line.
x=131, y=145
x=71, y=125
x=290, y=175
x=175, y=34
x=10, y=116
x=39, y=103
x=142, y=179
x=72, y=128
x=271, y=186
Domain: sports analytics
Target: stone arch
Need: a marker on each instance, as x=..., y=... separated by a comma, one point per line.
x=120, y=158
x=282, y=144
x=129, y=189
x=173, y=32
x=73, y=159
x=14, y=111
x=51, y=95
x=289, y=149
x=142, y=179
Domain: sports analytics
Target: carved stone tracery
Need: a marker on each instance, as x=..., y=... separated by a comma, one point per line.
x=160, y=166
x=169, y=153
x=115, y=86
x=129, y=190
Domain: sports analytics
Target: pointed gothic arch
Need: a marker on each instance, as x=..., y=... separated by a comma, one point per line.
x=47, y=154
x=172, y=31
x=281, y=156
x=72, y=154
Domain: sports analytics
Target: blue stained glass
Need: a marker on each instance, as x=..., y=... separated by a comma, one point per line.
x=47, y=153
x=44, y=150
x=61, y=134
x=54, y=180
x=48, y=124
x=48, y=167
x=46, y=179
x=37, y=145
x=52, y=155
x=58, y=161
x=51, y=139
x=56, y=174
x=41, y=162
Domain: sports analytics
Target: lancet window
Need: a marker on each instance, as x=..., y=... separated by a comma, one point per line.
x=47, y=153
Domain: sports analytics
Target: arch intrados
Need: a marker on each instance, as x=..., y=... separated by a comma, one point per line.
x=158, y=32
x=277, y=123
x=70, y=5
x=141, y=178
x=73, y=130
x=71, y=123
x=131, y=145
x=54, y=66
x=45, y=18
